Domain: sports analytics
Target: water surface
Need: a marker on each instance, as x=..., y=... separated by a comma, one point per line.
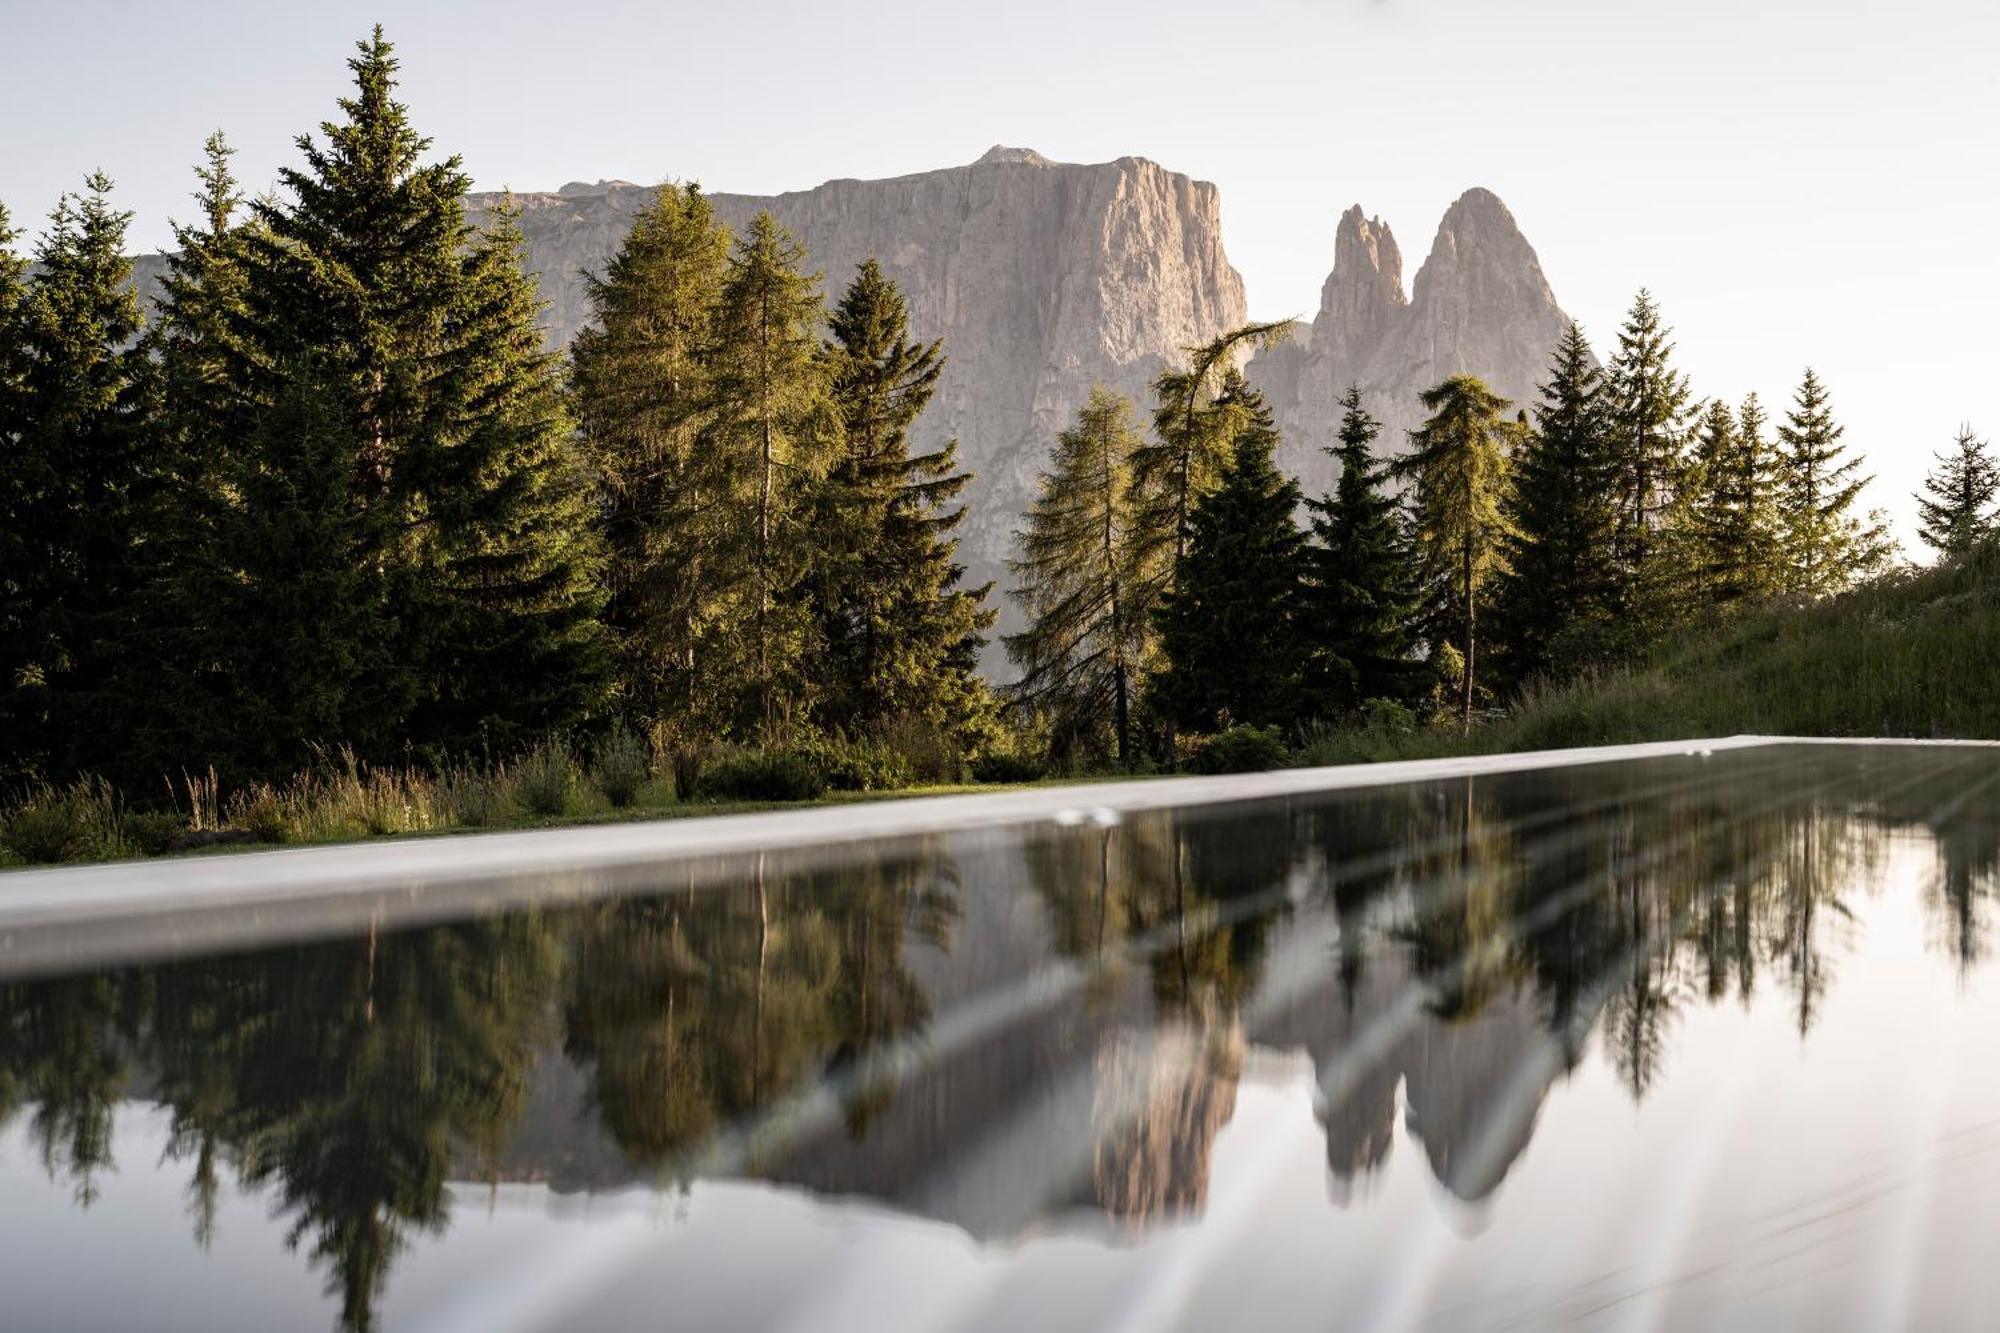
x=1704, y=1042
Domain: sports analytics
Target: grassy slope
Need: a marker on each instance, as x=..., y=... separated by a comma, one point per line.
x=1914, y=654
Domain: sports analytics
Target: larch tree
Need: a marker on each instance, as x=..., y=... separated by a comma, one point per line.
x=1557, y=603
x=1195, y=426
x=1361, y=592
x=1458, y=469
x=1827, y=545
x=641, y=381
x=1085, y=584
x=1647, y=405
x=73, y=477
x=899, y=634
x=1230, y=627
x=777, y=431
x=400, y=557
x=1956, y=510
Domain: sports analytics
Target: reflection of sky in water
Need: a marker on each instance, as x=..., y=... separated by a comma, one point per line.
x=1151, y=1143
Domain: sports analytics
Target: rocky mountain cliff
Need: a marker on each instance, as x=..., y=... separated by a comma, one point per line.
x=1481, y=306
x=1041, y=277
x=1044, y=278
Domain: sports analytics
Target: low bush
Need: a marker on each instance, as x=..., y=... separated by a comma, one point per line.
x=763, y=775
x=1242, y=749
x=1008, y=766
x=856, y=765
x=621, y=764
x=80, y=822
x=153, y=832
x=547, y=780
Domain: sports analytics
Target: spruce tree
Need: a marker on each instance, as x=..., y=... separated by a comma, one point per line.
x=1085, y=585
x=1361, y=592
x=1458, y=468
x=1742, y=532
x=641, y=375
x=73, y=476
x=899, y=636
x=1230, y=627
x=399, y=556
x=194, y=326
x=775, y=428
x=1556, y=605
x=1956, y=511
x=1826, y=545
x=1647, y=403
x=1697, y=534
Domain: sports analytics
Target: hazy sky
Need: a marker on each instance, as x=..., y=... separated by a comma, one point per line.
x=1797, y=180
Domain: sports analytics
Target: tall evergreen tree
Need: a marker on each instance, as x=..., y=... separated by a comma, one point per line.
x=1741, y=532
x=1361, y=592
x=899, y=635
x=71, y=478
x=1647, y=403
x=1956, y=510
x=398, y=551
x=1697, y=531
x=642, y=384
x=1557, y=603
x=775, y=425
x=1085, y=582
x=1230, y=627
x=1827, y=546
x=1459, y=470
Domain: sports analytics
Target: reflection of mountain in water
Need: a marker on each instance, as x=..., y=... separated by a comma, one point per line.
x=1467, y=1102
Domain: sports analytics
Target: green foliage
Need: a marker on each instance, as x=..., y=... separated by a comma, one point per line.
x=1231, y=627
x=1087, y=576
x=1647, y=403
x=1241, y=749
x=621, y=764
x=1459, y=471
x=74, y=480
x=548, y=779
x=855, y=764
x=775, y=429
x=81, y=822
x=763, y=775
x=1956, y=510
x=1361, y=592
x=1556, y=605
x=897, y=634
x=1008, y=766
x=396, y=543
x=642, y=378
x=1826, y=545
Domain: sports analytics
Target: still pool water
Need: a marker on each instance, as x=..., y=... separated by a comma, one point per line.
x=1690, y=1043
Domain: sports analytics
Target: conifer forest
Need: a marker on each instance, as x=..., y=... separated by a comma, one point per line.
x=323, y=540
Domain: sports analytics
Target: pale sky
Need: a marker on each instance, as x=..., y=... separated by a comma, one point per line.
x=1796, y=180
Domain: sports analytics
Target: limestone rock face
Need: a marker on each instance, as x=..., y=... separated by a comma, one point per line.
x=1041, y=277
x=1481, y=306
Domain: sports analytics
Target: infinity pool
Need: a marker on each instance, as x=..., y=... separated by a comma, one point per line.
x=1699, y=1041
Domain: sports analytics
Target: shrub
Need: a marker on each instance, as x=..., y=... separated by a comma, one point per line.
x=262, y=813
x=546, y=779
x=856, y=765
x=73, y=823
x=929, y=752
x=1242, y=749
x=153, y=833
x=621, y=764
x=763, y=775
x=475, y=797
x=1008, y=766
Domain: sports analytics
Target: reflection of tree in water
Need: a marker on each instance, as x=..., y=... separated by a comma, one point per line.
x=697, y=1008
x=1191, y=899
x=61, y=1055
